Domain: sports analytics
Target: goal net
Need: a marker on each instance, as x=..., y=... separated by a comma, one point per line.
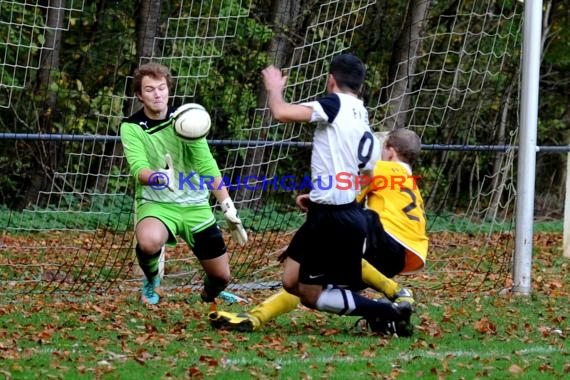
x=451, y=74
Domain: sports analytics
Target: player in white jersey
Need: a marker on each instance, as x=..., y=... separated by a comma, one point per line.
x=342, y=143
x=397, y=242
x=323, y=259
x=166, y=209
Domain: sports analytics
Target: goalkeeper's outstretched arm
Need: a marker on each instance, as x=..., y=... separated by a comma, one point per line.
x=230, y=212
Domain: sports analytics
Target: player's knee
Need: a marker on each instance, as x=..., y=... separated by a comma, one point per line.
x=290, y=286
x=209, y=244
x=151, y=235
x=149, y=246
x=290, y=279
x=309, y=294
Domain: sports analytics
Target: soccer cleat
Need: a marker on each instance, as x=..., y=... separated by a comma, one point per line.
x=377, y=324
x=232, y=298
x=149, y=295
x=404, y=295
x=401, y=327
x=404, y=326
x=224, y=320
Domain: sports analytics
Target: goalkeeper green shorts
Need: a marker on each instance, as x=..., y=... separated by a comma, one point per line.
x=180, y=220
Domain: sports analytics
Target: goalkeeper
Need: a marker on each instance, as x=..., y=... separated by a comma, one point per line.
x=164, y=209
x=397, y=239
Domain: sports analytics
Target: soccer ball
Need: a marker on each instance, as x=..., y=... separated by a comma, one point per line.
x=191, y=121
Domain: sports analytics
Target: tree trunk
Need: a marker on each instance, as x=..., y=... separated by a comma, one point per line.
x=403, y=64
x=148, y=26
x=501, y=164
x=286, y=17
x=111, y=153
x=49, y=61
x=46, y=152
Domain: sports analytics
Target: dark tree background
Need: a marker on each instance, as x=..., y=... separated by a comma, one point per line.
x=84, y=67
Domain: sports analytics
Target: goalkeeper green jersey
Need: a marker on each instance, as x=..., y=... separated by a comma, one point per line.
x=146, y=142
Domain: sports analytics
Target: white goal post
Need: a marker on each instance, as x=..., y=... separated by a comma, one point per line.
x=527, y=154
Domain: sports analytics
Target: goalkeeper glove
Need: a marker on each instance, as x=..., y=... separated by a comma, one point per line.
x=234, y=222
x=169, y=172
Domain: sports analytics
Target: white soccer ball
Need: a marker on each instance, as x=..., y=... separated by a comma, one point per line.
x=191, y=121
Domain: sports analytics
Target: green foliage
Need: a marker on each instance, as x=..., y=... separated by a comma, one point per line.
x=81, y=90
x=224, y=56
x=272, y=218
x=556, y=54
x=225, y=82
x=104, y=211
x=99, y=211
x=459, y=223
x=18, y=46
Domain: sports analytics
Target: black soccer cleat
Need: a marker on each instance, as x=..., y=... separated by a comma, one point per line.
x=404, y=326
x=401, y=327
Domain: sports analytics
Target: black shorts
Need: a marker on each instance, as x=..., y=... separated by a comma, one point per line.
x=382, y=251
x=209, y=243
x=330, y=244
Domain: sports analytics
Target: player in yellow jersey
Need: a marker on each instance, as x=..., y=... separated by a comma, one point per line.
x=396, y=208
x=397, y=239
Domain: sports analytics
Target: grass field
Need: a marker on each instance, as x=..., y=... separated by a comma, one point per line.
x=476, y=336
x=461, y=333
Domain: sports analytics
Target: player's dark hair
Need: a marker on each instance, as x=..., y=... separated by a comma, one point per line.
x=348, y=71
x=406, y=143
x=153, y=70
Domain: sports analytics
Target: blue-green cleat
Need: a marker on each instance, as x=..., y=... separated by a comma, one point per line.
x=149, y=295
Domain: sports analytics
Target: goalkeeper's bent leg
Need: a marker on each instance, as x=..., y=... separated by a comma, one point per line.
x=274, y=306
x=148, y=263
x=376, y=280
x=213, y=286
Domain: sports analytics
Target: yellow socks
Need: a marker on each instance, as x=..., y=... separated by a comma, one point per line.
x=378, y=281
x=279, y=303
x=283, y=302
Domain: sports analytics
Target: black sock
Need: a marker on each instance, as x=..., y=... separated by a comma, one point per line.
x=213, y=286
x=148, y=263
x=346, y=302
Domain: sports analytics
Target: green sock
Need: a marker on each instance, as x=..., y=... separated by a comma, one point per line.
x=148, y=263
